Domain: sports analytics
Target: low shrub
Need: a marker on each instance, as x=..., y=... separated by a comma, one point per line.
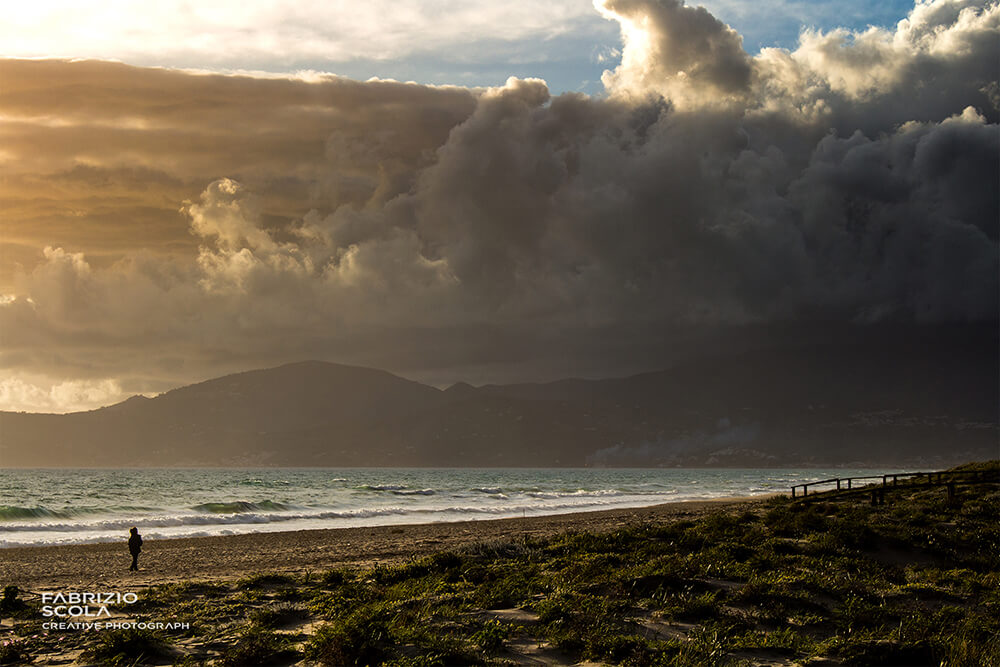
x=491, y=637
x=256, y=646
x=276, y=616
x=13, y=651
x=127, y=646
x=359, y=639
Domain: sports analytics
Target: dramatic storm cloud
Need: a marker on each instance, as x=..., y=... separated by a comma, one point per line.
x=194, y=224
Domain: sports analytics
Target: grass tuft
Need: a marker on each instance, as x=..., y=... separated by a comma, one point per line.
x=128, y=646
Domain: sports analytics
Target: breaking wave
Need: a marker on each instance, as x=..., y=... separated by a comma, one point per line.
x=9, y=512
x=15, y=513
x=241, y=507
x=399, y=489
x=418, y=514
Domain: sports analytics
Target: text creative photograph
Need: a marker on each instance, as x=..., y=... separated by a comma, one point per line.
x=586, y=332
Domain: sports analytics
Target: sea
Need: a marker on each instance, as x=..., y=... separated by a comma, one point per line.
x=72, y=506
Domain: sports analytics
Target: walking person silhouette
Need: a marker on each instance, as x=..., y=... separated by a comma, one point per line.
x=134, y=547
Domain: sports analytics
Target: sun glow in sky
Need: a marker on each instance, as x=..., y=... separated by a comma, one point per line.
x=191, y=189
x=478, y=42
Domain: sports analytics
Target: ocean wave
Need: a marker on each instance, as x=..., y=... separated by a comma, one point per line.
x=398, y=489
x=236, y=518
x=167, y=521
x=15, y=518
x=103, y=539
x=15, y=513
x=578, y=493
x=258, y=481
x=11, y=512
x=241, y=507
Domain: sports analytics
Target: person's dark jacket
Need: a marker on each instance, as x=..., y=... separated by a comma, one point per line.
x=135, y=544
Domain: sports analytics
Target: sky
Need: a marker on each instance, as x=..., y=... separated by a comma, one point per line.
x=568, y=43
x=500, y=192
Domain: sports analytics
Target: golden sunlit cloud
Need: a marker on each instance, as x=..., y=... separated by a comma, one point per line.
x=40, y=394
x=223, y=32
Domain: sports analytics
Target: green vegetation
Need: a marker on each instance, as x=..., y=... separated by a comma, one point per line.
x=126, y=647
x=13, y=651
x=256, y=645
x=11, y=605
x=915, y=581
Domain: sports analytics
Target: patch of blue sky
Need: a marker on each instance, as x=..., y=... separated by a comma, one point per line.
x=573, y=61
x=568, y=43
x=779, y=22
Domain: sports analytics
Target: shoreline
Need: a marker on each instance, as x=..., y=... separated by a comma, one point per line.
x=644, y=586
x=104, y=566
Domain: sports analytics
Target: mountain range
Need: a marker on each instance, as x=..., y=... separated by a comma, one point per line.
x=901, y=402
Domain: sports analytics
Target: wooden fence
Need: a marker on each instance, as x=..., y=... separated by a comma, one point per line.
x=937, y=478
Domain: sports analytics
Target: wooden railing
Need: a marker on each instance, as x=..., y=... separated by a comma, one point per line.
x=937, y=478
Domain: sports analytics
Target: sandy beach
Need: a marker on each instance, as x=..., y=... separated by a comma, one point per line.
x=105, y=566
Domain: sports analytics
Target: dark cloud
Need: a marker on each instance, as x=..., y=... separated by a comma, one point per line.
x=452, y=233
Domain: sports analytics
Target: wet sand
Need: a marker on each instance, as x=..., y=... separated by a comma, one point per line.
x=103, y=567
